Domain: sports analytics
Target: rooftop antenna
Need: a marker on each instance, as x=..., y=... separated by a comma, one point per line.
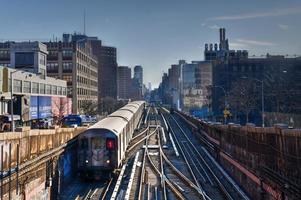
x=85, y=22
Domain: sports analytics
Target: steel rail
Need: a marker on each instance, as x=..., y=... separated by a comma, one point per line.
x=221, y=186
x=169, y=184
x=143, y=139
x=139, y=134
x=105, y=192
x=201, y=190
x=161, y=165
x=182, y=176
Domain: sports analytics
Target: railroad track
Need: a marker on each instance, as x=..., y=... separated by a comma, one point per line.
x=209, y=181
x=154, y=183
x=98, y=192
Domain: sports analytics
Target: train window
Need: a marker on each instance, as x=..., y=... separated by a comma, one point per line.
x=96, y=143
x=84, y=143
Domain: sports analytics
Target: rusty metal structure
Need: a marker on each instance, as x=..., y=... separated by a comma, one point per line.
x=265, y=161
x=29, y=160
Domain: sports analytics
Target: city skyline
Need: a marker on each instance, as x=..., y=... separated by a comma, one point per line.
x=157, y=34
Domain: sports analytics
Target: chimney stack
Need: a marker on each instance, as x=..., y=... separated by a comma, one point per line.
x=224, y=34
x=206, y=47
x=220, y=35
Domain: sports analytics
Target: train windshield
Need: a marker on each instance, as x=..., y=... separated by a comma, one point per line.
x=96, y=143
x=84, y=143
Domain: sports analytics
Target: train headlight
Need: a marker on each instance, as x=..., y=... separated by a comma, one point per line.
x=87, y=161
x=108, y=161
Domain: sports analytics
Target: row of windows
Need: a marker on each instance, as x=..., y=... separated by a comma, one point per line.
x=4, y=54
x=5, y=64
x=246, y=68
x=67, y=66
x=38, y=88
x=52, y=67
x=53, y=53
x=83, y=57
x=86, y=70
x=82, y=91
x=67, y=53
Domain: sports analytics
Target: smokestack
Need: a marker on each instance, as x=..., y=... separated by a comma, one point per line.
x=211, y=46
x=206, y=47
x=221, y=35
x=224, y=34
x=215, y=47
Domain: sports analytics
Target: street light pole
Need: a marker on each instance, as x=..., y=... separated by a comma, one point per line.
x=12, y=102
x=12, y=97
x=262, y=104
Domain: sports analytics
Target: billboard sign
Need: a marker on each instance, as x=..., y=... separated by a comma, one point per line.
x=40, y=107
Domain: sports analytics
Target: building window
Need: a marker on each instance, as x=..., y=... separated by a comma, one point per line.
x=67, y=53
x=35, y=87
x=54, y=89
x=68, y=78
x=52, y=67
x=17, y=86
x=42, y=59
x=64, y=91
x=53, y=54
x=59, y=90
x=67, y=66
x=26, y=87
x=48, y=89
x=24, y=59
x=4, y=54
x=42, y=88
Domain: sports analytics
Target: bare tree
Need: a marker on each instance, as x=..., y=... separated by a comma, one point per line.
x=89, y=108
x=61, y=108
x=109, y=105
x=243, y=97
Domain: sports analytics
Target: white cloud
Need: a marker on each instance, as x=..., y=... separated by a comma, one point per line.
x=214, y=27
x=271, y=13
x=283, y=27
x=237, y=45
x=255, y=42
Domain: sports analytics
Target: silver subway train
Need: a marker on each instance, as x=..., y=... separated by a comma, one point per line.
x=101, y=148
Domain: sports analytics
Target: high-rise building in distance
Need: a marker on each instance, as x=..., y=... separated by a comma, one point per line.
x=138, y=74
x=73, y=60
x=108, y=72
x=124, y=82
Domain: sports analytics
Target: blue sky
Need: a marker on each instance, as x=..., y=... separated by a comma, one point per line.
x=157, y=33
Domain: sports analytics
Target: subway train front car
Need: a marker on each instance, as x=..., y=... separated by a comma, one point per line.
x=102, y=147
x=97, y=153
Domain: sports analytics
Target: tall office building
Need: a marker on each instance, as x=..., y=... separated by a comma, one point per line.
x=72, y=60
x=138, y=74
x=124, y=82
x=108, y=72
x=107, y=66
